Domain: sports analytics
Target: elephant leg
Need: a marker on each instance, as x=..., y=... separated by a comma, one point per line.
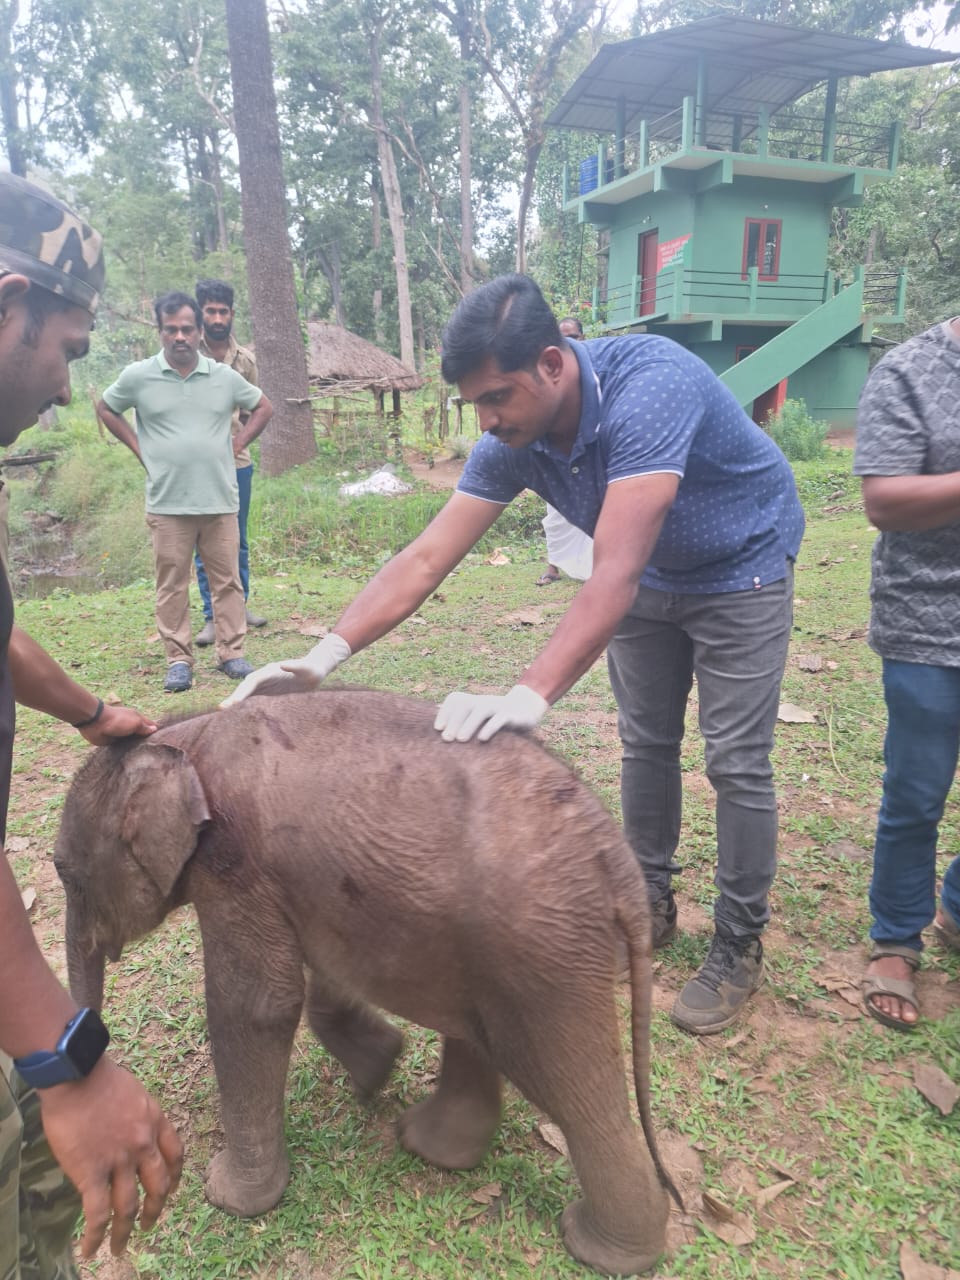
x=253, y=1010
x=453, y=1127
x=361, y=1041
x=569, y=1063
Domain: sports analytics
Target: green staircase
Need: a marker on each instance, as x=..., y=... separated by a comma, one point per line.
x=831, y=322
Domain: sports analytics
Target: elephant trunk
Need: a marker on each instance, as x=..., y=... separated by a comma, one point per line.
x=85, y=964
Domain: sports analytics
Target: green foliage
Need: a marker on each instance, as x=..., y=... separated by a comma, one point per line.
x=800, y=436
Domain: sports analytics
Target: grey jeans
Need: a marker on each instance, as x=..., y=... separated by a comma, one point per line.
x=736, y=645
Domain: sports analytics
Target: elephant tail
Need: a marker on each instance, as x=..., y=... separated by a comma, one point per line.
x=633, y=917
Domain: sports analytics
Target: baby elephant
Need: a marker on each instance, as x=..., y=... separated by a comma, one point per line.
x=343, y=858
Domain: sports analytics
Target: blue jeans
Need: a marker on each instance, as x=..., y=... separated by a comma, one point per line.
x=736, y=645
x=245, y=485
x=920, y=753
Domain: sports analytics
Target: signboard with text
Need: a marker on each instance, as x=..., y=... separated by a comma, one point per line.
x=670, y=252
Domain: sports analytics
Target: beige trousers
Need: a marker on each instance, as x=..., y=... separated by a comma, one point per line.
x=217, y=538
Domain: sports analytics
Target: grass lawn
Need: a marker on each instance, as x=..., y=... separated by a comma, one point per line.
x=802, y=1126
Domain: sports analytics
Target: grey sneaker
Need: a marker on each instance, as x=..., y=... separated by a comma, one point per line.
x=255, y=619
x=178, y=679
x=236, y=668
x=663, y=919
x=714, y=999
x=206, y=635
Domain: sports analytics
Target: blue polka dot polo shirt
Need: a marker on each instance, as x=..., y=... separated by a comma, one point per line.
x=648, y=406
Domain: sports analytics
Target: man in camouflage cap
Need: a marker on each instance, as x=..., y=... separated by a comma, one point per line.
x=50, y=244
x=74, y=1128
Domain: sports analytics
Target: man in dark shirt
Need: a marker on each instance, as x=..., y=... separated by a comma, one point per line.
x=104, y=1131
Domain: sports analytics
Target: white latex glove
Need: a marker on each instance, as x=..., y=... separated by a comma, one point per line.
x=297, y=676
x=463, y=714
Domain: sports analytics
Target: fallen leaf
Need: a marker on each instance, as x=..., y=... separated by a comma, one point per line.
x=313, y=629
x=17, y=844
x=29, y=898
x=487, y=1194
x=937, y=1087
x=729, y=1224
x=836, y=982
x=553, y=1137
x=498, y=557
x=523, y=618
x=810, y=662
x=795, y=715
x=113, y=699
x=766, y=1194
x=913, y=1267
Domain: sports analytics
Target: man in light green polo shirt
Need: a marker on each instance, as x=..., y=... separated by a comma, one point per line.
x=184, y=403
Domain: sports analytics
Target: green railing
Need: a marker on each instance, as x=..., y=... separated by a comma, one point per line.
x=845, y=142
x=682, y=291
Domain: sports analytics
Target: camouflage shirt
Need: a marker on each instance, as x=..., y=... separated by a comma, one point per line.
x=908, y=425
x=243, y=360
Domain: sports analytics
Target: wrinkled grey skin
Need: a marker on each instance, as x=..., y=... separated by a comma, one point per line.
x=342, y=858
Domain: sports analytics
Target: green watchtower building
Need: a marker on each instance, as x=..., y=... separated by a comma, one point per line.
x=713, y=193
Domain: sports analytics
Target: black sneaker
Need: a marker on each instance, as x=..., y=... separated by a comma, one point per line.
x=178, y=679
x=663, y=921
x=714, y=999
x=236, y=668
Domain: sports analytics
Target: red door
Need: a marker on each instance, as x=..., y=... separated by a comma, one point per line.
x=647, y=271
x=770, y=403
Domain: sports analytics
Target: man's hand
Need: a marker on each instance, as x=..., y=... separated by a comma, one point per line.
x=117, y=722
x=299, y=676
x=107, y=1133
x=463, y=714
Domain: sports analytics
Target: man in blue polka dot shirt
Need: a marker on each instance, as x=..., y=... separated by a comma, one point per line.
x=696, y=525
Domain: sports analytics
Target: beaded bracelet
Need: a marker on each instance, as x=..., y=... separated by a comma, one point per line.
x=83, y=724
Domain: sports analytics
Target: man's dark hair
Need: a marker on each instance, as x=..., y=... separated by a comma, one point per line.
x=172, y=302
x=508, y=319
x=575, y=321
x=214, y=291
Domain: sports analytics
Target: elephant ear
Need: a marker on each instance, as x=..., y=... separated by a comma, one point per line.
x=164, y=811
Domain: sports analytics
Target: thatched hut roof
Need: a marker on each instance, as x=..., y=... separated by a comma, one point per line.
x=337, y=357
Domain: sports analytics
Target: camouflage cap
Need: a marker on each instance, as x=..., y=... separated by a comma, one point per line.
x=44, y=240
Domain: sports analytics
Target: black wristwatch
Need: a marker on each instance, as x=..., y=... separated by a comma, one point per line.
x=78, y=1051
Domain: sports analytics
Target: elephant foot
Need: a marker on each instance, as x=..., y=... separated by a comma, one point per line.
x=372, y=1062
x=449, y=1132
x=605, y=1253
x=361, y=1041
x=241, y=1195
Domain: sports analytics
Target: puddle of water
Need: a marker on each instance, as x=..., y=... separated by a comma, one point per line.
x=34, y=586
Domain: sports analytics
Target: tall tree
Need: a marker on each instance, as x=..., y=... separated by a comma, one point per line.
x=273, y=300
x=521, y=48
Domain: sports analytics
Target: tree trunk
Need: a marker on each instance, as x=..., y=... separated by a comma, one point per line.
x=281, y=358
x=376, y=231
x=394, y=202
x=466, y=169
x=9, y=112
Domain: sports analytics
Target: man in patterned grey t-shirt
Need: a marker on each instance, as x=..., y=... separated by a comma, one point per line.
x=908, y=453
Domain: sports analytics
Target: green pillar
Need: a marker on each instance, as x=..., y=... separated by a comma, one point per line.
x=829, y=122
x=700, y=125
x=620, y=142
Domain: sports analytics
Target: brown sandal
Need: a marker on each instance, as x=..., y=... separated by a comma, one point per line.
x=875, y=984
x=546, y=578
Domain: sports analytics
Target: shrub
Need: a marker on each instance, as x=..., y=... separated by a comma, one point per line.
x=801, y=437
